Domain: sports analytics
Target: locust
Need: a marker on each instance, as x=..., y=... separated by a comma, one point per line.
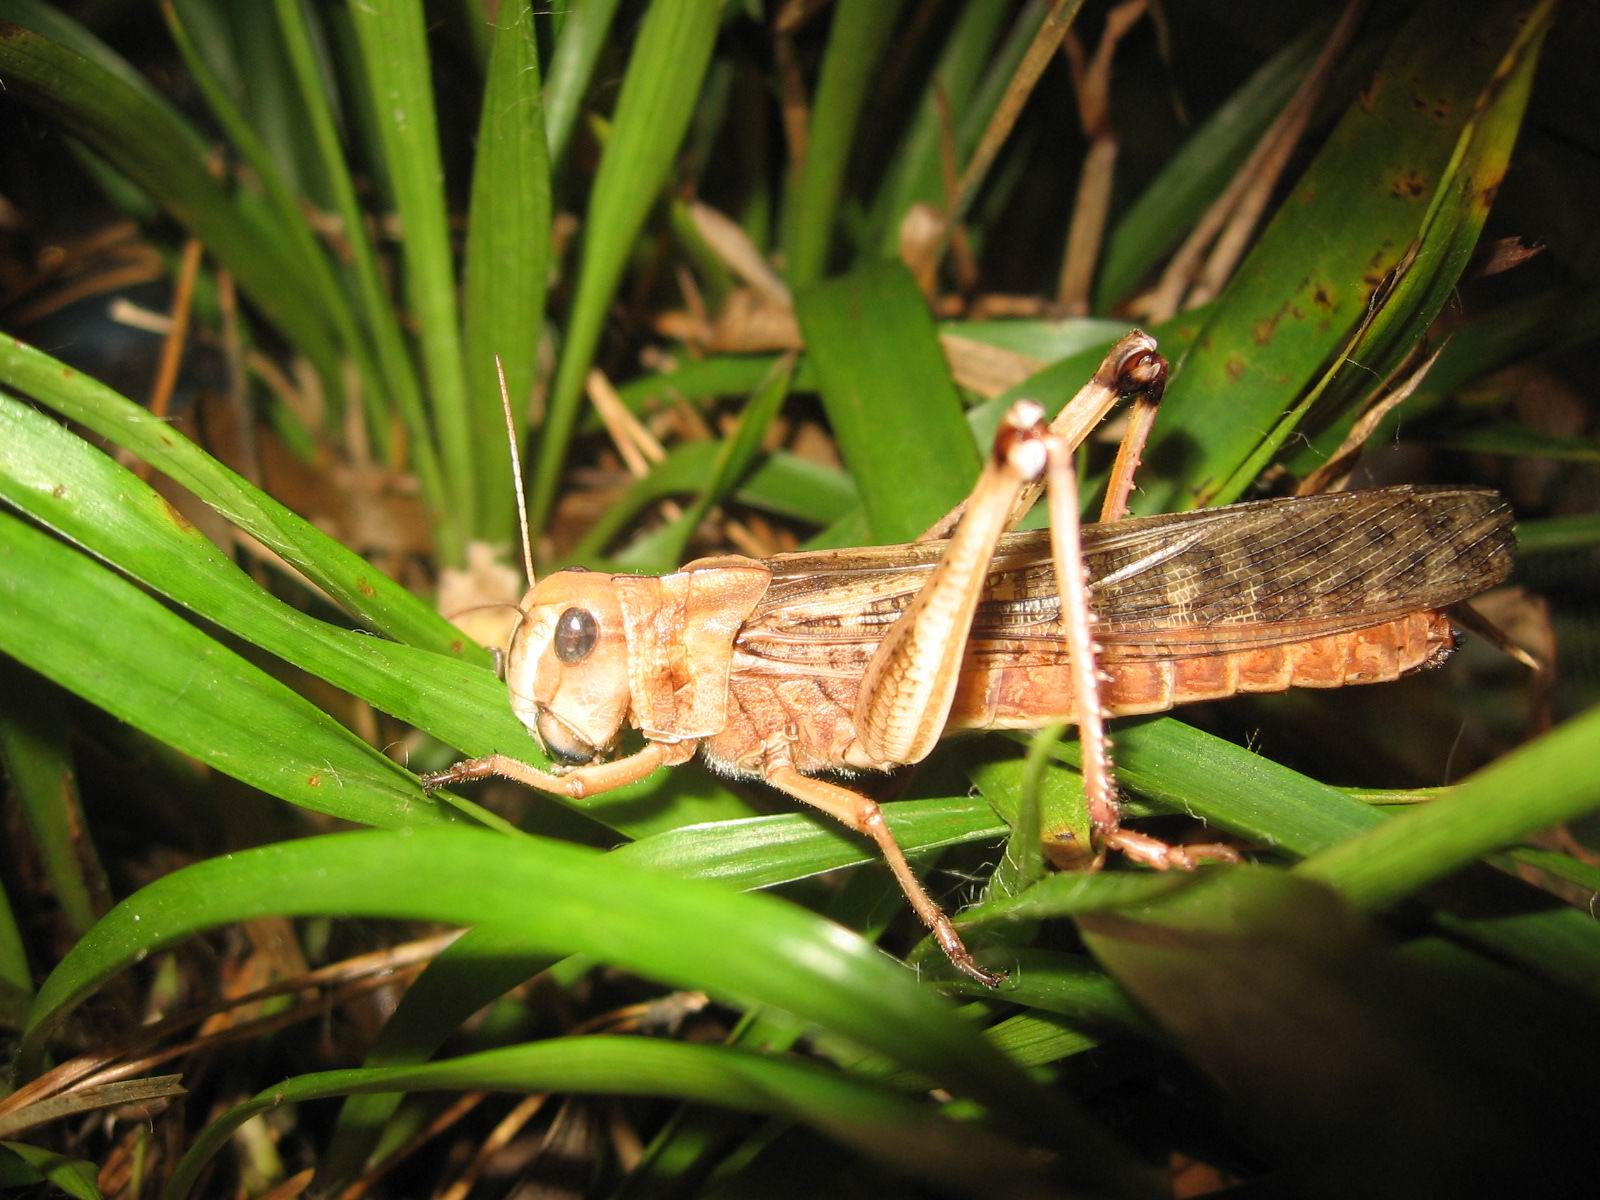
x=804, y=670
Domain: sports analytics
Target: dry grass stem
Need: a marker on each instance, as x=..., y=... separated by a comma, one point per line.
x=1232, y=217
x=1092, y=82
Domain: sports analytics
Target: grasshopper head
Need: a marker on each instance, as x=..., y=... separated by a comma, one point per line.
x=567, y=667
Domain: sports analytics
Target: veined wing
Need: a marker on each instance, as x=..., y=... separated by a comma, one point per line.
x=1187, y=584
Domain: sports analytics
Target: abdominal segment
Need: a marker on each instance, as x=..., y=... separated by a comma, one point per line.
x=997, y=693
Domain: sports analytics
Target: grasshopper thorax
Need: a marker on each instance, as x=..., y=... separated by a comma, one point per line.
x=567, y=666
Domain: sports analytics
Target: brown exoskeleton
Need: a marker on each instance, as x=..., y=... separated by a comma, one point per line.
x=802, y=664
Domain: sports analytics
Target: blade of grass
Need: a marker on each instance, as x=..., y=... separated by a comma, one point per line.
x=753, y=949
x=16, y=976
x=669, y=61
x=1430, y=269
x=888, y=395
x=150, y=144
x=783, y=484
x=67, y=485
x=394, y=47
x=584, y=29
x=393, y=353
x=508, y=258
x=1192, y=178
x=164, y=676
x=1314, y=269
x=858, y=35
x=916, y=174
x=36, y=1164
x=1277, y=989
x=299, y=241
x=1559, y=535
x=734, y=457
x=1188, y=771
x=756, y=852
x=33, y=745
x=360, y=589
x=1544, y=783
x=880, y=1123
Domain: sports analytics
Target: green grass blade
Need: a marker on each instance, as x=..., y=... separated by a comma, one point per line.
x=1175, y=199
x=162, y=675
x=858, y=35
x=1275, y=988
x=888, y=395
x=362, y=590
x=583, y=35
x=658, y=95
x=75, y=1177
x=149, y=143
x=16, y=976
x=299, y=247
x=383, y=324
x=507, y=260
x=394, y=48
x=751, y=949
x=67, y=485
x=1313, y=271
x=755, y=852
x=917, y=173
x=1541, y=784
x=909, y=1135
x=783, y=484
x=1558, y=535
x=1430, y=270
x=735, y=455
x=44, y=787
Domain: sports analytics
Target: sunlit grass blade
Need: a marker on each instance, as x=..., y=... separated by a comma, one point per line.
x=66, y=484
x=751, y=949
x=666, y=67
x=858, y=34
x=394, y=47
x=889, y=398
x=164, y=676
x=507, y=258
x=364, y=592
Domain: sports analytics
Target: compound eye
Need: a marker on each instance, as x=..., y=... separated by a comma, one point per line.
x=576, y=633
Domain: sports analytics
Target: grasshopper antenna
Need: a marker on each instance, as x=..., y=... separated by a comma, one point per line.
x=516, y=470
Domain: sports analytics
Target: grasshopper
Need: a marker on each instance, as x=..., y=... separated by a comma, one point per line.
x=803, y=665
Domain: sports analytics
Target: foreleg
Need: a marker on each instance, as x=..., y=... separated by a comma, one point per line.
x=575, y=784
